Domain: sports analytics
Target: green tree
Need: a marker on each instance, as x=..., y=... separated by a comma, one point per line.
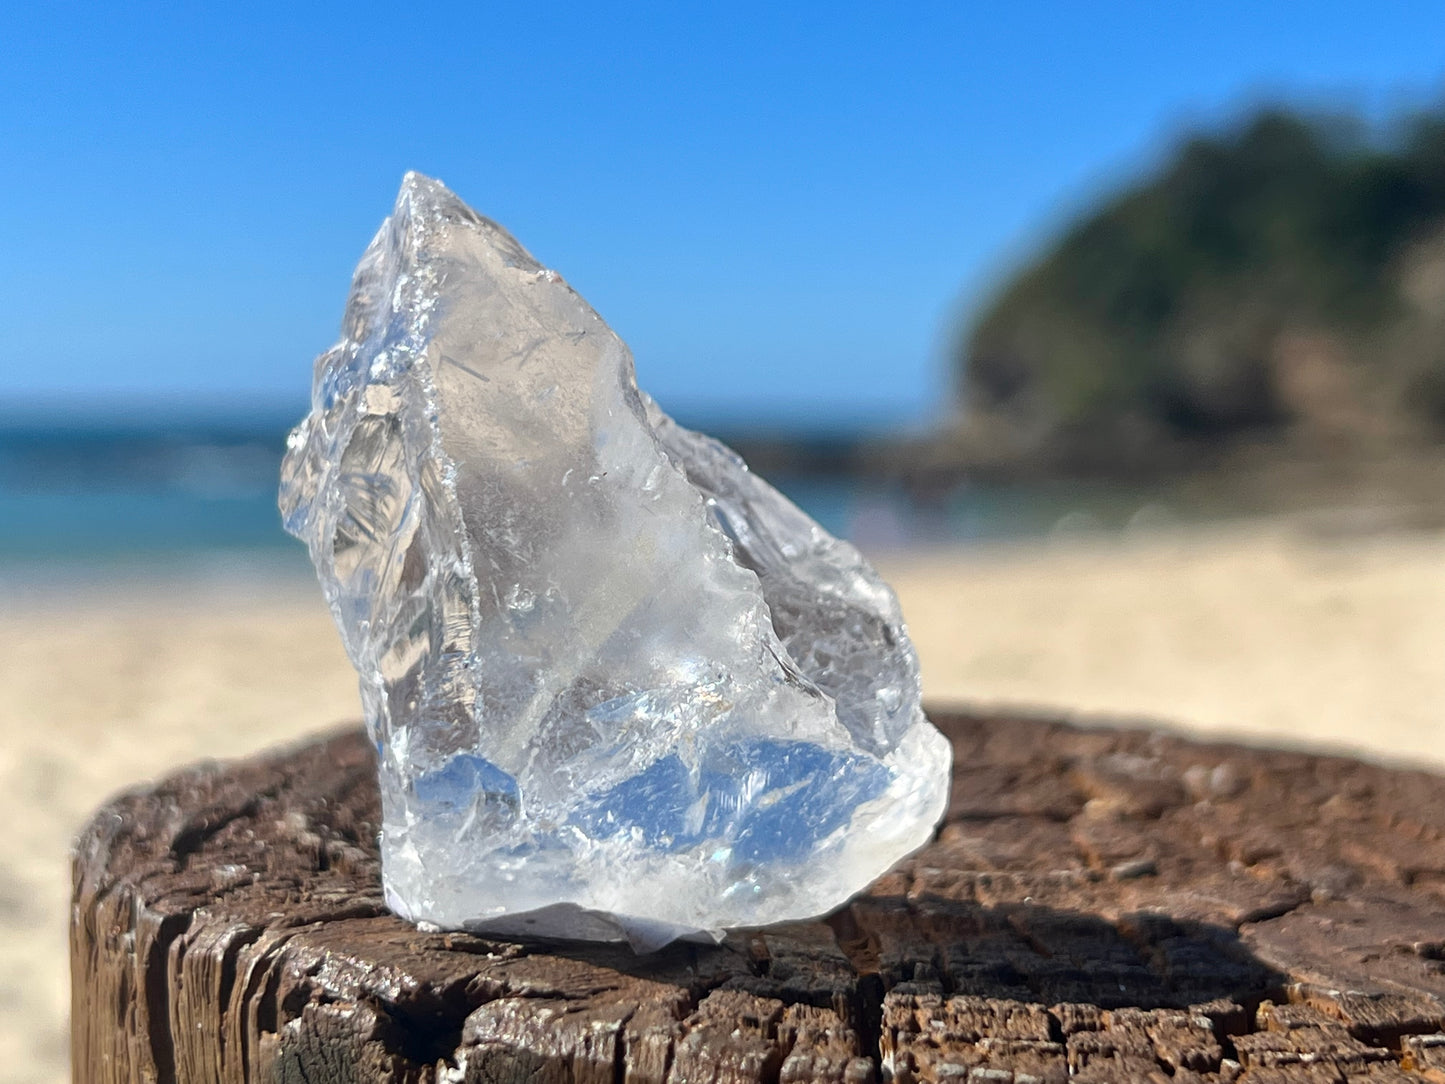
x=1164, y=307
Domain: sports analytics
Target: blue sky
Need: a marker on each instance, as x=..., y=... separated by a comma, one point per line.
x=783, y=208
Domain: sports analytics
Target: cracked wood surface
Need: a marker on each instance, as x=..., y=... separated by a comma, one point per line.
x=1101, y=905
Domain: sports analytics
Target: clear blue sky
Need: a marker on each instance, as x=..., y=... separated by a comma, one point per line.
x=783, y=207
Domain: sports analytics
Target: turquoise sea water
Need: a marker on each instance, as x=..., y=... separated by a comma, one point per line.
x=87, y=493
x=162, y=494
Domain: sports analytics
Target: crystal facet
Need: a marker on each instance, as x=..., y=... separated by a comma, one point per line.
x=619, y=685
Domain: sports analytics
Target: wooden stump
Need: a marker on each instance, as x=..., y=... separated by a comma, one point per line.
x=1101, y=904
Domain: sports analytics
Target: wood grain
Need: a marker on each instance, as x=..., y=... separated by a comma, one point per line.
x=1098, y=905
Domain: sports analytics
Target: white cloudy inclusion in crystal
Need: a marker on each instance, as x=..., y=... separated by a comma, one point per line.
x=619, y=686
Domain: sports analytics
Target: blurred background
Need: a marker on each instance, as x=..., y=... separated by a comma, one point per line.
x=1113, y=332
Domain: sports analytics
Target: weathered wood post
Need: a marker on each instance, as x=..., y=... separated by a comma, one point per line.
x=1099, y=904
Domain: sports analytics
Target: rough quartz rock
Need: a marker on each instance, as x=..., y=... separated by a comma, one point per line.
x=619, y=685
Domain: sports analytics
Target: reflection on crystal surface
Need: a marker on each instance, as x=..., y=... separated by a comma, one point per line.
x=618, y=684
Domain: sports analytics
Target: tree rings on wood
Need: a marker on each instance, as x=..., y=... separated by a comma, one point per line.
x=1098, y=905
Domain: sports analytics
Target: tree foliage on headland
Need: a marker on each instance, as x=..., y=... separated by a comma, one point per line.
x=1284, y=276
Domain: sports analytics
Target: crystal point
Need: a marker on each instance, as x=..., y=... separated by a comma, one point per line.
x=618, y=685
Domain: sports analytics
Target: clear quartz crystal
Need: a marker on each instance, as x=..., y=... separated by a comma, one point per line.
x=619, y=685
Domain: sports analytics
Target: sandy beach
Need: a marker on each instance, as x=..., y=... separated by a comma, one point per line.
x=1269, y=630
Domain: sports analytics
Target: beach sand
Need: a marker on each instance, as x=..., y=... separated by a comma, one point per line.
x=1267, y=630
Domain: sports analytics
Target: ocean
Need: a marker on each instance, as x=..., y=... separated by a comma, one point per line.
x=200, y=490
